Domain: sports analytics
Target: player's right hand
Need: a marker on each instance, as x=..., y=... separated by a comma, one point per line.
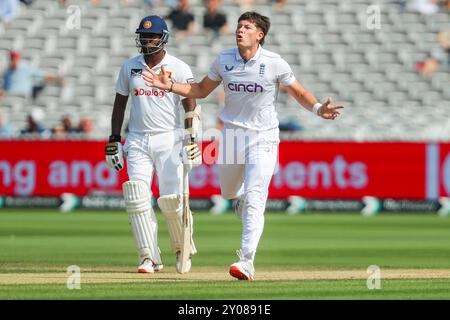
x=114, y=155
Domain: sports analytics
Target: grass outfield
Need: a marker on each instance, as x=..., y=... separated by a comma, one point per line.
x=310, y=256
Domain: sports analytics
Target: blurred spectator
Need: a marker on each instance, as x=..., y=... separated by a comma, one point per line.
x=9, y=10
x=280, y=4
x=6, y=129
x=430, y=65
x=402, y=4
x=86, y=126
x=445, y=5
x=34, y=127
x=157, y=3
x=65, y=128
x=424, y=6
x=183, y=21
x=427, y=67
x=58, y=132
x=213, y=20
x=444, y=41
x=246, y=5
x=23, y=80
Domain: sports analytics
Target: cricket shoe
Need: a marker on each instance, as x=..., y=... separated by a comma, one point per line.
x=147, y=266
x=158, y=267
x=239, y=206
x=243, y=270
x=178, y=264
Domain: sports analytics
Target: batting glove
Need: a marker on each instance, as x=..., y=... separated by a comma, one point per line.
x=114, y=155
x=192, y=155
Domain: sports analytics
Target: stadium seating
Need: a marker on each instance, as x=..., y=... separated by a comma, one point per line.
x=327, y=43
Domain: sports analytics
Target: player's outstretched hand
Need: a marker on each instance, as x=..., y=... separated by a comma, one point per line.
x=328, y=111
x=161, y=81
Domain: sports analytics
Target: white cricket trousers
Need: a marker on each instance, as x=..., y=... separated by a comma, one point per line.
x=247, y=161
x=145, y=153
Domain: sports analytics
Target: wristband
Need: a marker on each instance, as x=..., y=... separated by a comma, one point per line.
x=315, y=108
x=171, y=87
x=114, y=138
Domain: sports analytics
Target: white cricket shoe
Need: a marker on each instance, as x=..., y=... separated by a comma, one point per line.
x=188, y=264
x=146, y=266
x=158, y=267
x=239, y=206
x=243, y=270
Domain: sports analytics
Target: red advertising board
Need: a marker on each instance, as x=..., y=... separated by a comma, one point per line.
x=437, y=170
x=340, y=170
x=55, y=167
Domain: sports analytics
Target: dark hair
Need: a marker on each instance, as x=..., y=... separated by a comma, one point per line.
x=259, y=20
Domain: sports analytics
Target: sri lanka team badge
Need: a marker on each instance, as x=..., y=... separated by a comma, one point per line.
x=147, y=24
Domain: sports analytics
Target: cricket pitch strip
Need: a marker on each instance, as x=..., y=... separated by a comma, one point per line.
x=98, y=275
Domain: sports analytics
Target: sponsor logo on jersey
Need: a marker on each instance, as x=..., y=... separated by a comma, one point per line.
x=227, y=68
x=245, y=87
x=136, y=72
x=149, y=93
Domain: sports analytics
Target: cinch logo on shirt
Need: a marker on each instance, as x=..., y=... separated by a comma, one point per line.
x=243, y=87
x=143, y=92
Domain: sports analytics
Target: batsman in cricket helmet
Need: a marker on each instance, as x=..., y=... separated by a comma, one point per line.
x=152, y=35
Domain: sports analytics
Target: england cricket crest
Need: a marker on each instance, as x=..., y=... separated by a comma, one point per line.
x=262, y=69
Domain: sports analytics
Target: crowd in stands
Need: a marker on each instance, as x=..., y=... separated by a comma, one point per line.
x=20, y=79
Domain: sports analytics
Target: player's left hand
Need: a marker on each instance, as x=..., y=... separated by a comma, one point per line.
x=328, y=111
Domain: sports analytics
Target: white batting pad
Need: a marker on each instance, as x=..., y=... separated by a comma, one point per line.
x=172, y=207
x=142, y=219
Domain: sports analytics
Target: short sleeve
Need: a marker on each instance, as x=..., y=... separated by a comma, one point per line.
x=186, y=75
x=285, y=76
x=123, y=84
x=214, y=71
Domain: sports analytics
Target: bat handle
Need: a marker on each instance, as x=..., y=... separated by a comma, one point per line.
x=185, y=179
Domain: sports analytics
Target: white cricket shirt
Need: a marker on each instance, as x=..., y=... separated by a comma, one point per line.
x=153, y=110
x=251, y=87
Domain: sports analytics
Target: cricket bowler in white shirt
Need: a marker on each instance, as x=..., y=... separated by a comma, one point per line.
x=154, y=142
x=251, y=77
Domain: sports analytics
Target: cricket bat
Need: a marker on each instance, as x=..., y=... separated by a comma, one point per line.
x=186, y=227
